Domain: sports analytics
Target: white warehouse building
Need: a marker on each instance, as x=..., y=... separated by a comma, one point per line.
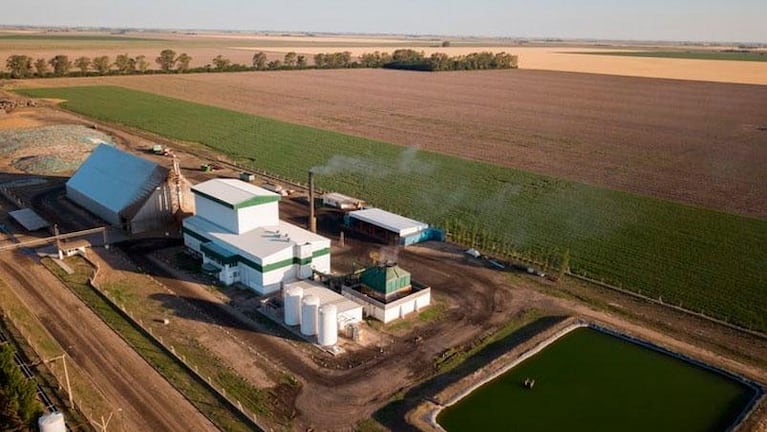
x=122, y=189
x=237, y=231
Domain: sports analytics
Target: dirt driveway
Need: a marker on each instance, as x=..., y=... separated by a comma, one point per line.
x=146, y=400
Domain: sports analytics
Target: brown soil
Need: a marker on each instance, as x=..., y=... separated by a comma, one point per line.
x=694, y=142
x=479, y=301
x=145, y=400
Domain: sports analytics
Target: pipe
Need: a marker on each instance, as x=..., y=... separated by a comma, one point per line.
x=312, y=218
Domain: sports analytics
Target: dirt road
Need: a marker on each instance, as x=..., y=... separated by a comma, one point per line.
x=147, y=402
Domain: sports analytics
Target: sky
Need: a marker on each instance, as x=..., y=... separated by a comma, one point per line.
x=687, y=20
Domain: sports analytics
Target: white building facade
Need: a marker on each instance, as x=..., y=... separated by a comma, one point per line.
x=237, y=231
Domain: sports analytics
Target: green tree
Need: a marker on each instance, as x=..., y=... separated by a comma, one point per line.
x=375, y=59
x=342, y=59
x=102, y=64
x=221, y=63
x=19, y=65
x=301, y=62
x=124, y=64
x=183, y=61
x=19, y=407
x=274, y=65
x=259, y=60
x=445, y=44
x=407, y=56
x=319, y=60
x=41, y=67
x=440, y=62
x=291, y=59
x=83, y=63
x=60, y=65
x=166, y=60
x=141, y=64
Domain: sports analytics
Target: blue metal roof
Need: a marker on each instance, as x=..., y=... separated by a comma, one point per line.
x=116, y=180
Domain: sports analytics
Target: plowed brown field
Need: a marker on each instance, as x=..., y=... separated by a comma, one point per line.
x=697, y=142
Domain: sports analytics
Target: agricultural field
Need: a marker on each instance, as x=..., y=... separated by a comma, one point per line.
x=591, y=381
x=757, y=56
x=700, y=143
x=239, y=48
x=702, y=259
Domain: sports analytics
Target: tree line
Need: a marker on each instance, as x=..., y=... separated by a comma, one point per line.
x=19, y=408
x=22, y=66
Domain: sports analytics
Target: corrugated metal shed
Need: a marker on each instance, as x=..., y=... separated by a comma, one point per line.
x=234, y=193
x=390, y=221
x=114, y=184
x=30, y=220
x=386, y=279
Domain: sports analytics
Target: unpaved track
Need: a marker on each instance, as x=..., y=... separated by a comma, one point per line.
x=148, y=402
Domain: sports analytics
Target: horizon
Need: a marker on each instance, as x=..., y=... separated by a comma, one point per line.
x=308, y=34
x=652, y=21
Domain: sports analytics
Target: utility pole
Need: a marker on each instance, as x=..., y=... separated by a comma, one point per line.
x=63, y=358
x=104, y=423
x=58, y=240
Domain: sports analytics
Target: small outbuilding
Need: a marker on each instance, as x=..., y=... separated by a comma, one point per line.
x=29, y=219
x=390, y=228
x=342, y=202
x=388, y=293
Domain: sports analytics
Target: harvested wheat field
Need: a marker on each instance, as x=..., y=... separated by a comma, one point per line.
x=694, y=142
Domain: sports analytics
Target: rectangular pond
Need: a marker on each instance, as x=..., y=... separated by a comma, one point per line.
x=588, y=380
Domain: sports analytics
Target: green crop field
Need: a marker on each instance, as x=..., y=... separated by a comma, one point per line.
x=757, y=56
x=591, y=381
x=702, y=259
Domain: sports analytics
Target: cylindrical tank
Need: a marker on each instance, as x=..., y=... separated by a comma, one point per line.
x=293, y=297
x=309, y=311
x=52, y=422
x=327, y=334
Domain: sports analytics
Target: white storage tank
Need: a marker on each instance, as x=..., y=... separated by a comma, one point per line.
x=327, y=334
x=309, y=314
x=292, y=304
x=52, y=422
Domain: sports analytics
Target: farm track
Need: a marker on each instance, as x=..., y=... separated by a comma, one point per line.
x=147, y=401
x=694, y=142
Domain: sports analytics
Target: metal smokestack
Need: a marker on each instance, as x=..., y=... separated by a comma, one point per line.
x=312, y=218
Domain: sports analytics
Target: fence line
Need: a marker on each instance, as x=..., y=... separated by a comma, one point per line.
x=678, y=308
x=251, y=417
x=668, y=305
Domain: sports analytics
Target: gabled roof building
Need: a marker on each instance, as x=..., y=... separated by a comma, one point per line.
x=122, y=189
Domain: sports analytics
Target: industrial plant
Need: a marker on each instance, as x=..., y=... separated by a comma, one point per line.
x=237, y=231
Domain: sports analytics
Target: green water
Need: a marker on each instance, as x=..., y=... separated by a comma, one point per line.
x=591, y=381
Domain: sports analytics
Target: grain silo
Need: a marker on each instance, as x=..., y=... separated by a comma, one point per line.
x=309, y=314
x=293, y=297
x=327, y=334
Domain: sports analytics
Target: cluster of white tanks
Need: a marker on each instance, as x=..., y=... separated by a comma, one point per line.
x=310, y=306
x=313, y=318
